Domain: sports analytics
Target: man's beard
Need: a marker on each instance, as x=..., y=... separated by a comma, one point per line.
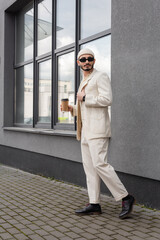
x=87, y=69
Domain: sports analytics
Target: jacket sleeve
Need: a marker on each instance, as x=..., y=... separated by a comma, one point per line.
x=104, y=97
x=74, y=112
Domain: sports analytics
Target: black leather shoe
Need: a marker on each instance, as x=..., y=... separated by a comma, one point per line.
x=127, y=206
x=90, y=209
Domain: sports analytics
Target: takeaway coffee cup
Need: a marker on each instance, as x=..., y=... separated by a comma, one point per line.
x=64, y=102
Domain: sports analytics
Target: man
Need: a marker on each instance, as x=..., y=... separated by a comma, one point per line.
x=93, y=128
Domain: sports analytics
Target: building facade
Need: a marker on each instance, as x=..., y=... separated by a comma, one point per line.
x=39, y=43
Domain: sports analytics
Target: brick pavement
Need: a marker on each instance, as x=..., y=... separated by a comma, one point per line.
x=34, y=207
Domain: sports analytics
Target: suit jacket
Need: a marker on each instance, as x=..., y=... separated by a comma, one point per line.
x=93, y=116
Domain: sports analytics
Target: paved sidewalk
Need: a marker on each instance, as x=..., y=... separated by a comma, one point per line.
x=33, y=207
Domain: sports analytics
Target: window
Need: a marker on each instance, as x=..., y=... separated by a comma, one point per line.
x=24, y=95
x=44, y=93
x=23, y=104
x=48, y=36
x=65, y=29
x=44, y=27
x=95, y=17
x=24, y=34
x=66, y=84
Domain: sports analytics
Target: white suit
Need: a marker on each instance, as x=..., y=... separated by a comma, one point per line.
x=95, y=135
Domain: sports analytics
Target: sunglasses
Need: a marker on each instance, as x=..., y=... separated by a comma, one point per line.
x=83, y=59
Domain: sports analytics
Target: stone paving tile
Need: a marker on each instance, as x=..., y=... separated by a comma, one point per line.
x=5, y=235
x=156, y=235
x=36, y=208
x=20, y=236
x=119, y=237
x=152, y=238
x=136, y=238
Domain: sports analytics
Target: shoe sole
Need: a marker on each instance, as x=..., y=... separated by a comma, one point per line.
x=90, y=213
x=128, y=214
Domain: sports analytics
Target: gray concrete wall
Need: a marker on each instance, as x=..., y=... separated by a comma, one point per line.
x=134, y=146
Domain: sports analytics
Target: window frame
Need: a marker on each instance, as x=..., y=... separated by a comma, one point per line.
x=53, y=55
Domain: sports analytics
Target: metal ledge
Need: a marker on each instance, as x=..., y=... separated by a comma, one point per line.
x=56, y=132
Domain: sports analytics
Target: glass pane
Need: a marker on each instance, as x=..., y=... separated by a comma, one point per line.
x=44, y=26
x=65, y=22
x=95, y=16
x=45, y=77
x=24, y=95
x=66, y=81
x=102, y=51
x=24, y=34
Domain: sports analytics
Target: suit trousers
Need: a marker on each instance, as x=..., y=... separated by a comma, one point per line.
x=96, y=167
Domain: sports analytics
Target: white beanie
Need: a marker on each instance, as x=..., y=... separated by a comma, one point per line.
x=85, y=51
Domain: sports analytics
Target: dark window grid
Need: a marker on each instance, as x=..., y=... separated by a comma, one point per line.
x=68, y=48
x=36, y=60
x=54, y=55
x=19, y=65
x=53, y=64
x=95, y=37
x=56, y=52
x=22, y=64
x=35, y=67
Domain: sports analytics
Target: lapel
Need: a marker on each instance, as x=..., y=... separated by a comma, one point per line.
x=85, y=82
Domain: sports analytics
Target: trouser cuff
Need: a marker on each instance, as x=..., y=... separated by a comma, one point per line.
x=120, y=197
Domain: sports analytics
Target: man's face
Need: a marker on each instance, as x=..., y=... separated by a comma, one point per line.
x=86, y=62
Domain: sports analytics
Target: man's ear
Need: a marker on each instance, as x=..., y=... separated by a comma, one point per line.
x=78, y=62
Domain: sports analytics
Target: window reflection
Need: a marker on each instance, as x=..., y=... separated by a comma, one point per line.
x=24, y=34
x=24, y=95
x=66, y=81
x=95, y=16
x=65, y=22
x=45, y=92
x=44, y=26
x=102, y=51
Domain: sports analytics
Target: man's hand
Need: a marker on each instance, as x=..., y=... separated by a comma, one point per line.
x=80, y=95
x=70, y=108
